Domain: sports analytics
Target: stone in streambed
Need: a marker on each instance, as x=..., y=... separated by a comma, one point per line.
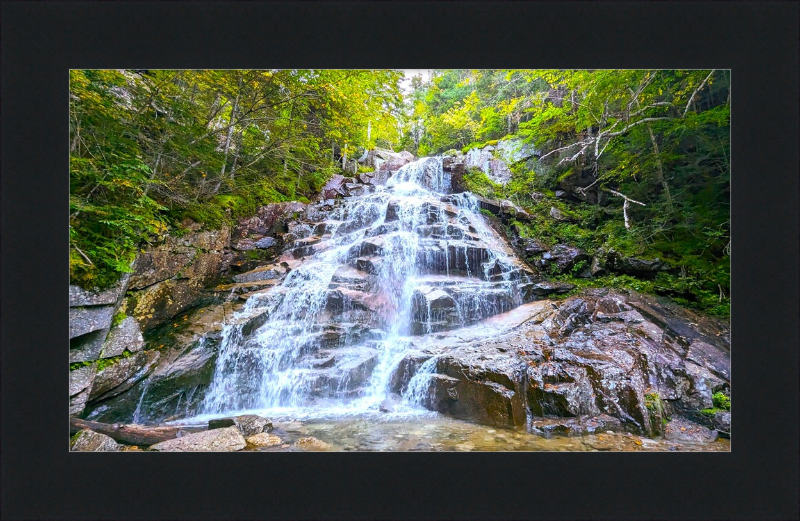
x=216, y=440
x=248, y=424
x=264, y=439
x=312, y=444
x=89, y=441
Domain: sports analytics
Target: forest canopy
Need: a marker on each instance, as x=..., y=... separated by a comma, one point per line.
x=151, y=148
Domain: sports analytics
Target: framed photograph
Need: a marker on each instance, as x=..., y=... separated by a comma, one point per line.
x=293, y=248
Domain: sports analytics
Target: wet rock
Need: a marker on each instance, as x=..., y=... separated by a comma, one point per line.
x=480, y=385
x=265, y=242
x=217, y=440
x=577, y=426
x=176, y=386
x=560, y=390
x=598, y=268
x=89, y=441
x=248, y=424
x=311, y=444
x=121, y=375
x=272, y=271
x=124, y=336
x=682, y=430
x=264, y=439
x=721, y=422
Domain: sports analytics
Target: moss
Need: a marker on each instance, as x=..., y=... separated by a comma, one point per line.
x=118, y=318
x=721, y=401
x=105, y=362
x=78, y=365
x=565, y=175
x=478, y=183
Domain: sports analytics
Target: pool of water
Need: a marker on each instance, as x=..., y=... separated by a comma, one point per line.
x=415, y=430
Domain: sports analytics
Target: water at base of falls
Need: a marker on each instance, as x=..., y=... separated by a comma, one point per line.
x=409, y=259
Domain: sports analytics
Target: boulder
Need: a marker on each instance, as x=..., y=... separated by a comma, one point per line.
x=558, y=215
x=564, y=257
x=90, y=441
x=248, y=424
x=609, y=260
x=638, y=267
x=182, y=373
x=83, y=320
x=217, y=440
x=334, y=187
x=88, y=347
x=79, y=297
x=268, y=221
x=264, y=439
x=162, y=301
x=604, y=353
x=124, y=336
x=531, y=247
x=269, y=272
x=160, y=264
x=80, y=385
x=537, y=290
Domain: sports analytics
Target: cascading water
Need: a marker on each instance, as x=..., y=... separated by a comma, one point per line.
x=409, y=259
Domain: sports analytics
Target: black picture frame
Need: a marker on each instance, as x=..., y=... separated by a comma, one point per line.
x=758, y=41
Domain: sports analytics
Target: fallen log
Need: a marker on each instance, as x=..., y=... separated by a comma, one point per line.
x=133, y=434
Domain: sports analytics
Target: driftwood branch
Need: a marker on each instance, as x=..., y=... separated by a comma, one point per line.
x=132, y=434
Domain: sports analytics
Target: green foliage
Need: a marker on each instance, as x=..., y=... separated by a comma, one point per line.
x=659, y=137
x=721, y=401
x=151, y=148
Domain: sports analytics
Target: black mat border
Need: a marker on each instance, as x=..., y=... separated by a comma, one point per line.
x=758, y=41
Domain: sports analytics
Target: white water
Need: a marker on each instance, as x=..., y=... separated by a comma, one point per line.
x=420, y=243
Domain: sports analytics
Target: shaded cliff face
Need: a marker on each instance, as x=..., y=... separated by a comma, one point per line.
x=398, y=295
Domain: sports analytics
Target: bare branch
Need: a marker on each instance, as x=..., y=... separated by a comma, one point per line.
x=625, y=205
x=87, y=259
x=691, y=99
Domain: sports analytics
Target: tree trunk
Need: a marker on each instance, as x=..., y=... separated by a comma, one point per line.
x=660, y=170
x=230, y=130
x=132, y=434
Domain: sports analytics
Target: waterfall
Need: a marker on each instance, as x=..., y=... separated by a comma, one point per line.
x=409, y=259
